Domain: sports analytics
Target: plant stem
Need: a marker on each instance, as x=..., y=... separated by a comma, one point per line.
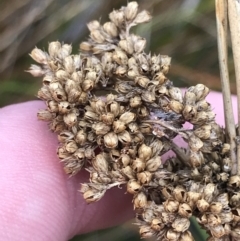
x=234, y=22
x=221, y=18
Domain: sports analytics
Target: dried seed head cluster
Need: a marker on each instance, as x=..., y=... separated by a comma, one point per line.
x=121, y=137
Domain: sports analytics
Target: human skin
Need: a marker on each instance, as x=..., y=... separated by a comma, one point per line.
x=38, y=201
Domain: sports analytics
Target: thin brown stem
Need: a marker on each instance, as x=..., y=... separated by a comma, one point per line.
x=221, y=18
x=234, y=22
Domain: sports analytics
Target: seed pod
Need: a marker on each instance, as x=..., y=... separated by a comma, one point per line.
x=65, y=136
x=101, y=128
x=52, y=106
x=100, y=163
x=47, y=79
x=189, y=112
x=203, y=105
x=87, y=85
x=117, y=17
x=234, y=181
x=227, y=164
x=186, y=236
x=70, y=119
x=196, y=158
x=93, y=195
x=125, y=159
x=45, y=115
x=133, y=186
x=36, y=71
x=146, y=232
x=180, y=194
x=111, y=29
x=71, y=146
x=65, y=51
x=144, y=177
x=235, y=200
x=120, y=57
x=64, y=107
x=209, y=191
x=185, y=210
x=130, y=11
x=126, y=45
x=142, y=17
x=138, y=165
x=127, y=117
x=80, y=155
x=91, y=116
x=181, y=225
x=107, y=118
x=171, y=205
x=153, y=164
x=85, y=46
x=201, y=91
x=142, y=81
x=172, y=235
x=89, y=153
x=139, y=45
x=223, y=177
x=157, y=225
x=195, y=143
x=135, y=102
x=140, y=201
x=111, y=140
x=176, y=106
x=124, y=137
x=144, y=152
x=218, y=231
x=176, y=94
x=202, y=205
x=69, y=64
x=93, y=25
x=114, y=108
x=127, y=171
x=142, y=112
x=97, y=36
x=203, y=132
x=39, y=56
x=148, y=96
x=133, y=72
x=189, y=98
x=57, y=91
x=160, y=77
x=81, y=137
x=216, y=207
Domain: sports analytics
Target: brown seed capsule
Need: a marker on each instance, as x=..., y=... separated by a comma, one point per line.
x=189, y=98
x=139, y=45
x=65, y=51
x=153, y=164
x=93, y=195
x=39, y=56
x=217, y=232
x=36, y=71
x=57, y=91
x=124, y=137
x=65, y=136
x=133, y=186
x=97, y=36
x=127, y=117
x=52, y=106
x=101, y=128
x=160, y=77
x=195, y=143
x=47, y=79
x=138, y=165
x=125, y=159
x=126, y=45
x=142, y=81
x=117, y=17
x=202, y=205
x=157, y=224
x=234, y=181
x=87, y=85
x=85, y=46
x=70, y=119
x=71, y=146
x=203, y=132
x=111, y=29
x=144, y=152
x=185, y=210
x=100, y=163
x=127, y=171
x=146, y=232
x=81, y=137
x=176, y=106
x=80, y=155
x=135, y=101
x=180, y=194
x=120, y=57
x=107, y=118
x=144, y=177
x=186, y=236
x=216, y=207
x=227, y=164
x=140, y=201
x=111, y=140
x=189, y=112
x=171, y=205
x=181, y=224
x=64, y=107
x=142, y=17
x=196, y=158
x=172, y=235
x=131, y=10
x=45, y=115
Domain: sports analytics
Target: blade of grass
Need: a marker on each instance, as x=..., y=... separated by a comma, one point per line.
x=221, y=18
x=234, y=22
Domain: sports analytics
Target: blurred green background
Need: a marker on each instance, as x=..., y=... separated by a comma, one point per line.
x=182, y=29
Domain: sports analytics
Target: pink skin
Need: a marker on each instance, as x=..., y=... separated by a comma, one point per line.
x=38, y=200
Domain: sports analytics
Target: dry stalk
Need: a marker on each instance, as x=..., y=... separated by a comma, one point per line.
x=221, y=18
x=234, y=22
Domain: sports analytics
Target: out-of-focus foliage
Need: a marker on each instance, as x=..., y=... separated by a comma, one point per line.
x=182, y=29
